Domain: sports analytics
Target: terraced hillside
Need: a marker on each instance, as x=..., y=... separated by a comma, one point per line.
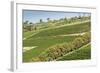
x=43, y=39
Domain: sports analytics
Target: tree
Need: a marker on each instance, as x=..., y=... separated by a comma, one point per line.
x=79, y=17
x=30, y=23
x=48, y=19
x=26, y=22
x=65, y=19
x=41, y=20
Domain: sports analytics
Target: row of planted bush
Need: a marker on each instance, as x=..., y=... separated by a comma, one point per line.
x=56, y=51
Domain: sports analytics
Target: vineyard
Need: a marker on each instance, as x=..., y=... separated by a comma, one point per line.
x=58, y=40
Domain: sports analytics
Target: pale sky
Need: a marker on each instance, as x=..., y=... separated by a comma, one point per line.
x=34, y=16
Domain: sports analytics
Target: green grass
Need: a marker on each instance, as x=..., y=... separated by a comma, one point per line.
x=80, y=54
x=25, y=34
x=57, y=31
x=45, y=38
x=84, y=27
x=41, y=44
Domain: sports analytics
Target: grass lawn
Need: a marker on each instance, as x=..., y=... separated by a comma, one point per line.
x=42, y=44
x=80, y=54
x=84, y=27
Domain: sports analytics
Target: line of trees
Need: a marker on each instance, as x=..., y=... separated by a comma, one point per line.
x=29, y=26
x=59, y=50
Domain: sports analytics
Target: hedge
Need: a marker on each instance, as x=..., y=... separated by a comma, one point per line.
x=56, y=51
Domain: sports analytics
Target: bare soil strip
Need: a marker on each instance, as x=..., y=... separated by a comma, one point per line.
x=75, y=34
x=28, y=48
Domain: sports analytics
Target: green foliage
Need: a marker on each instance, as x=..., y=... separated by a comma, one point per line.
x=41, y=47
x=59, y=50
x=61, y=21
x=41, y=20
x=86, y=37
x=26, y=22
x=81, y=54
x=65, y=30
x=78, y=42
x=45, y=38
x=48, y=19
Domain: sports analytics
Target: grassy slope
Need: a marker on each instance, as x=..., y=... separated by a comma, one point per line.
x=43, y=43
x=44, y=37
x=80, y=54
x=64, y=30
x=55, y=30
